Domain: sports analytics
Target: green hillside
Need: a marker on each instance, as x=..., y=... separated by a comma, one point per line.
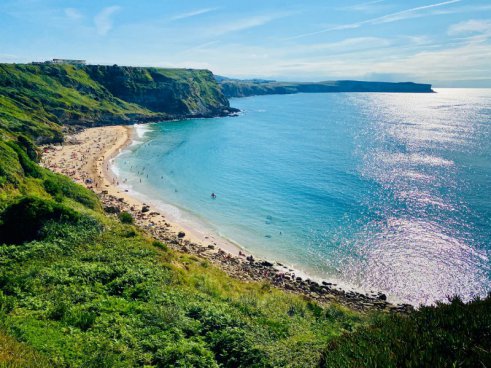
x=39, y=99
x=80, y=288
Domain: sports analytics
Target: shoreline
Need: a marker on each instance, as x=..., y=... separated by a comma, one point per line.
x=86, y=157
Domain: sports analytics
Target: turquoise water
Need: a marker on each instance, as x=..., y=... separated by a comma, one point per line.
x=387, y=192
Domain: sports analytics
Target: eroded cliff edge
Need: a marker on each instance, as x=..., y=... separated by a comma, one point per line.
x=39, y=99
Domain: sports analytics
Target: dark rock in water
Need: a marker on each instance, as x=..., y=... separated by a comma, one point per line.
x=266, y=263
x=145, y=209
x=112, y=209
x=211, y=246
x=181, y=234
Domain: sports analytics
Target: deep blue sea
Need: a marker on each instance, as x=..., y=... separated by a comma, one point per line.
x=385, y=192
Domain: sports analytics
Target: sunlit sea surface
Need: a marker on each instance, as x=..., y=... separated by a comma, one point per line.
x=385, y=192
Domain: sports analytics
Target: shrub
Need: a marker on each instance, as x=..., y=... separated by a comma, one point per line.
x=30, y=168
x=445, y=335
x=125, y=218
x=233, y=348
x=22, y=220
x=57, y=186
x=185, y=354
x=160, y=245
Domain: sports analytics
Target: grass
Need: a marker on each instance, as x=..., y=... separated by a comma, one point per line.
x=14, y=354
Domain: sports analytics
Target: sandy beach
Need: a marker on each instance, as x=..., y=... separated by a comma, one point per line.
x=86, y=158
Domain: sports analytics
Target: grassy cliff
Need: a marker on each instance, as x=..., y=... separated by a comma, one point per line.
x=244, y=88
x=79, y=288
x=180, y=92
x=39, y=99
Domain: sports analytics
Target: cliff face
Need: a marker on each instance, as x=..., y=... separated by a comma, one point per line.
x=38, y=100
x=237, y=88
x=180, y=92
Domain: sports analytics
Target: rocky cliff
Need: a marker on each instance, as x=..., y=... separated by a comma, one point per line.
x=178, y=92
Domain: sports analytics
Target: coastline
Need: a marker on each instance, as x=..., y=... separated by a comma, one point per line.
x=87, y=156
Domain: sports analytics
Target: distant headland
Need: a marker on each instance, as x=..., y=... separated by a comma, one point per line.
x=253, y=87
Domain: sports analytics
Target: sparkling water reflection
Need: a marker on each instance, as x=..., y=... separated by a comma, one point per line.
x=388, y=192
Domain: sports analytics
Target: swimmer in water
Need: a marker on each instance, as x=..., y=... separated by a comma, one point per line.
x=213, y=195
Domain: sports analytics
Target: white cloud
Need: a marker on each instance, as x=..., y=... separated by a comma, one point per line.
x=470, y=26
x=244, y=23
x=73, y=14
x=193, y=13
x=103, y=20
x=388, y=18
x=410, y=13
x=368, y=6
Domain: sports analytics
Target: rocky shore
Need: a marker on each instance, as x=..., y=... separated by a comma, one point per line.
x=86, y=159
x=247, y=268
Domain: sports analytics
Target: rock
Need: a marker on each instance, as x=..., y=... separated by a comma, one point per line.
x=211, y=246
x=181, y=234
x=145, y=209
x=382, y=297
x=266, y=263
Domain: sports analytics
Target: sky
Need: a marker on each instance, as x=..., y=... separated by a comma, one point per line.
x=443, y=42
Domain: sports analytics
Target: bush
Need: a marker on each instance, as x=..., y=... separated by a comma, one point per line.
x=233, y=348
x=445, y=335
x=22, y=220
x=30, y=168
x=58, y=186
x=160, y=245
x=125, y=218
x=185, y=354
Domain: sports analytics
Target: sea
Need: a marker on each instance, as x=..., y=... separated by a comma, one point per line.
x=377, y=192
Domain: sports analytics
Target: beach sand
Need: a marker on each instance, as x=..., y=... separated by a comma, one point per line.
x=86, y=158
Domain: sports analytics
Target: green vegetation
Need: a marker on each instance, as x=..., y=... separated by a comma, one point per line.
x=79, y=288
x=448, y=335
x=125, y=218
